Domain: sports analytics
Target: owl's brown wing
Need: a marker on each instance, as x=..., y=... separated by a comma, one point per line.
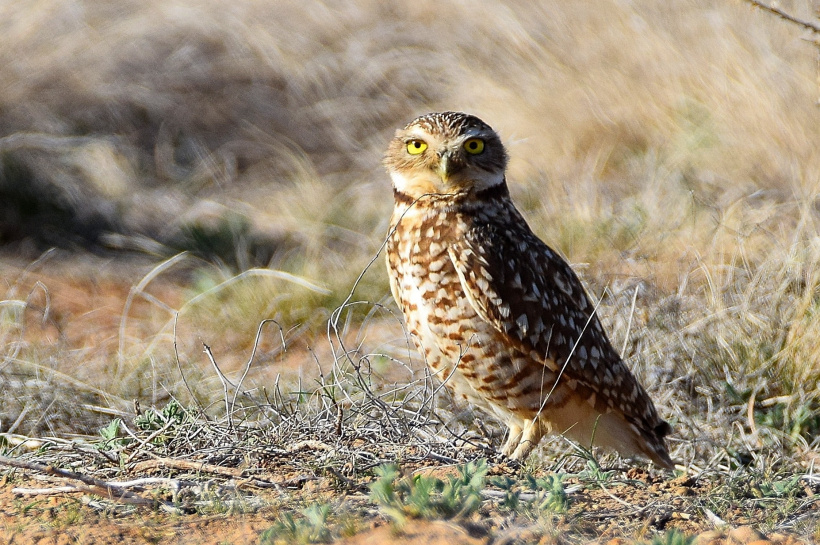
x=532, y=296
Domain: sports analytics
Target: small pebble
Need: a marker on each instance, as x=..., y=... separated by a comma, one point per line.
x=745, y=534
x=617, y=541
x=682, y=480
x=706, y=538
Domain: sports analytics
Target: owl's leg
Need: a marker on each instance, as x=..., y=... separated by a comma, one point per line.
x=531, y=436
x=513, y=438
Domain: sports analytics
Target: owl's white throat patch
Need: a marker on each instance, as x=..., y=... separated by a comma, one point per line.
x=418, y=183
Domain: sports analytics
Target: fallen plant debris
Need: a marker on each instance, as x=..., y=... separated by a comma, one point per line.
x=347, y=485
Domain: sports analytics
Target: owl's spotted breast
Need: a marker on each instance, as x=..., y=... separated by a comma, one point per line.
x=499, y=316
x=464, y=351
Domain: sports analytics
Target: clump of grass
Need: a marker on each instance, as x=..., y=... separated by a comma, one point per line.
x=763, y=489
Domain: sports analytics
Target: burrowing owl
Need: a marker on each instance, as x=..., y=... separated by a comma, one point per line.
x=500, y=318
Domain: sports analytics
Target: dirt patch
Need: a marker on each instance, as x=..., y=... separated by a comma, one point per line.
x=427, y=532
x=631, y=506
x=77, y=519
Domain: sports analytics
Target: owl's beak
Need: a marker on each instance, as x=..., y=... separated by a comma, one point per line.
x=445, y=165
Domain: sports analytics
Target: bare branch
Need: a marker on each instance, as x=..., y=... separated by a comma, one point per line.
x=814, y=27
x=187, y=465
x=87, y=484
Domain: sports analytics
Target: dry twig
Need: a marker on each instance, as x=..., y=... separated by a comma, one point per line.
x=187, y=465
x=90, y=485
x=814, y=27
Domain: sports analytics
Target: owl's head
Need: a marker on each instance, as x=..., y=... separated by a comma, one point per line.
x=445, y=153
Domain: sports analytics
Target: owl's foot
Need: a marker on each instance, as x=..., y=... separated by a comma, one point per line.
x=522, y=441
x=513, y=438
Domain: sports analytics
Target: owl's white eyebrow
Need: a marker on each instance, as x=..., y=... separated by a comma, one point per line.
x=417, y=133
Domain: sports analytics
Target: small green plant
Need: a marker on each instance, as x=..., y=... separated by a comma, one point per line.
x=533, y=495
x=173, y=413
x=673, y=537
x=312, y=528
x=795, y=419
x=766, y=493
x=25, y=508
x=549, y=493
x=594, y=473
x=70, y=514
x=512, y=495
x=423, y=496
x=796, y=422
x=110, y=435
x=779, y=488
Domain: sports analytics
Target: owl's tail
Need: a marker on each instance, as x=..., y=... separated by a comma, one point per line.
x=634, y=439
x=579, y=421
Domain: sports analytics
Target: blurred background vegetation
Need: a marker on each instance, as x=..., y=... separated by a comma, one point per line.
x=670, y=150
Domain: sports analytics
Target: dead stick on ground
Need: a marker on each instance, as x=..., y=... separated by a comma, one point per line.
x=89, y=484
x=174, y=484
x=187, y=465
x=45, y=491
x=201, y=467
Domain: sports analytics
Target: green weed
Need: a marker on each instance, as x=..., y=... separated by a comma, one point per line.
x=110, y=436
x=312, y=528
x=594, y=473
x=173, y=414
x=427, y=497
x=533, y=495
x=672, y=537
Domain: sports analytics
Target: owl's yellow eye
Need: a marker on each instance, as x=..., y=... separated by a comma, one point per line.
x=474, y=146
x=416, y=147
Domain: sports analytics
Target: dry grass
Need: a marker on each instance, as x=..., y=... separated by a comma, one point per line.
x=669, y=150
